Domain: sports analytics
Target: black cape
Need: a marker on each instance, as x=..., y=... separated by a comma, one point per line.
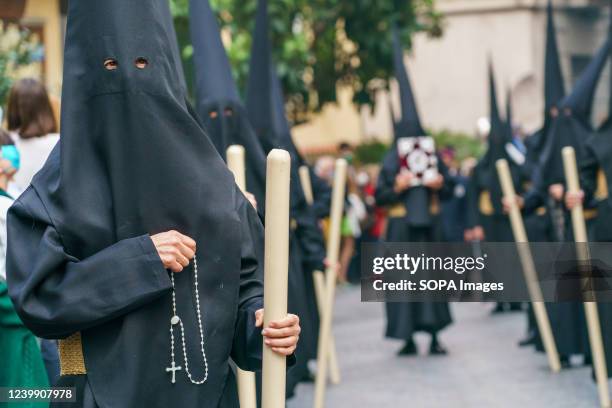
x=133, y=161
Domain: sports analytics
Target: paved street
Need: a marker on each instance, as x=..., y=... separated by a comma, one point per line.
x=486, y=368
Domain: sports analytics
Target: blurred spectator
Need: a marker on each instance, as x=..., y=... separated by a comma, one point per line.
x=376, y=222
x=354, y=211
x=9, y=164
x=33, y=128
x=22, y=364
x=356, y=215
x=346, y=152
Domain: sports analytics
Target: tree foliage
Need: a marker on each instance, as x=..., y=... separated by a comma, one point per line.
x=319, y=44
x=18, y=49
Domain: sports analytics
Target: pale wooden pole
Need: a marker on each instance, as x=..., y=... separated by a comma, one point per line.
x=236, y=163
x=319, y=283
x=247, y=388
x=333, y=249
x=276, y=272
x=306, y=184
x=590, y=307
x=529, y=270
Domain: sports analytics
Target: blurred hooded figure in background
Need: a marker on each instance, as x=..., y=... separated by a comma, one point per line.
x=413, y=217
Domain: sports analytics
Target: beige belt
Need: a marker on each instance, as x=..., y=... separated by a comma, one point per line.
x=590, y=214
x=400, y=210
x=484, y=203
x=541, y=211
x=71, y=355
x=601, y=193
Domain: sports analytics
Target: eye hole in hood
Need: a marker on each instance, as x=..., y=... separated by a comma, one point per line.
x=141, y=62
x=111, y=64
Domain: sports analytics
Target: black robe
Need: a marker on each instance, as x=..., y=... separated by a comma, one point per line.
x=122, y=294
x=404, y=319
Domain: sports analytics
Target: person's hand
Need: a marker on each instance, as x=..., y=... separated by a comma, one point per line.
x=507, y=203
x=174, y=249
x=468, y=235
x=403, y=181
x=336, y=268
x=556, y=191
x=573, y=199
x=281, y=335
x=478, y=233
x=435, y=183
x=6, y=167
x=251, y=199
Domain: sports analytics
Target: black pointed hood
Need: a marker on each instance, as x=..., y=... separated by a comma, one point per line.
x=265, y=101
x=215, y=81
x=499, y=136
x=554, y=89
x=509, y=115
x=409, y=123
x=601, y=141
x=259, y=95
x=217, y=100
x=133, y=161
x=265, y=105
x=573, y=125
x=580, y=102
x=607, y=124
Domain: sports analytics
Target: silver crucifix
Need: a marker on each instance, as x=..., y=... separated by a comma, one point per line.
x=174, y=368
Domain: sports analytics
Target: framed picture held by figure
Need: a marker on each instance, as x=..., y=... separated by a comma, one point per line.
x=418, y=156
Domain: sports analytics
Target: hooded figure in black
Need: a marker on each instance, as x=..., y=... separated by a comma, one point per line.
x=571, y=127
x=539, y=223
x=554, y=90
x=132, y=162
x=413, y=217
x=217, y=101
x=266, y=112
x=595, y=180
x=485, y=194
x=484, y=190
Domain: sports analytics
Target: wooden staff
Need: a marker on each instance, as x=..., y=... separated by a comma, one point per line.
x=590, y=307
x=529, y=270
x=333, y=248
x=247, y=389
x=306, y=184
x=235, y=162
x=319, y=283
x=276, y=272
